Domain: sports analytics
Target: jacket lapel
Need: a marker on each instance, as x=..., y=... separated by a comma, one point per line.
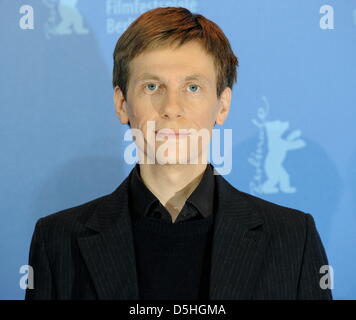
x=109, y=254
x=239, y=244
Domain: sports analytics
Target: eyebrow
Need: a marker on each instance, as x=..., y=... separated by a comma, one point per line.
x=150, y=76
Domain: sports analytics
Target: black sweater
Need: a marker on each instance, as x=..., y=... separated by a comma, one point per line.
x=173, y=259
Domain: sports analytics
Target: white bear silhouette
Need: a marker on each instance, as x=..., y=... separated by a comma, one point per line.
x=70, y=15
x=277, y=150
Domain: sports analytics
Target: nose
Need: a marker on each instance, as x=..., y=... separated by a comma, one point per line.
x=171, y=108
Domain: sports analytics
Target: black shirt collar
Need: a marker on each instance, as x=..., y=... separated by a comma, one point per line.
x=141, y=198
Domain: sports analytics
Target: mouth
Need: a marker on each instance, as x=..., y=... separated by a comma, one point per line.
x=173, y=132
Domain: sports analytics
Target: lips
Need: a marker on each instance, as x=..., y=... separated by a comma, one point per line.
x=173, y=132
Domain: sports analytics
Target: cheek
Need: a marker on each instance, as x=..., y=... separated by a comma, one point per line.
x=139, y=113
x=204, y=114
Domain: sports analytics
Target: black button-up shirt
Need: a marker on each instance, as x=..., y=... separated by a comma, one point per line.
x=199, y=204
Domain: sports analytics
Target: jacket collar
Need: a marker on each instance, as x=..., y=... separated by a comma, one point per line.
x=238, y=247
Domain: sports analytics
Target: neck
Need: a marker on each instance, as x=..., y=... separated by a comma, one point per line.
x=172, y=184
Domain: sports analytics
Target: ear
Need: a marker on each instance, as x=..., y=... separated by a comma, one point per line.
x=120, y=106
x=224, y=106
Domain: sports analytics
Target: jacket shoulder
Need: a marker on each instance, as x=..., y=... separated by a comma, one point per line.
x=278, y=216
x=70, y=219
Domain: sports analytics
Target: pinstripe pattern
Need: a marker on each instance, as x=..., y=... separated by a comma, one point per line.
x=260, y=250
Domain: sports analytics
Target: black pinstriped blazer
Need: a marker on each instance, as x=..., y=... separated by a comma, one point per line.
x=260, y=250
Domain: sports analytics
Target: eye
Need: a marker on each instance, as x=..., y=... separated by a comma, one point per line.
x=193, y=87
x=151, y=87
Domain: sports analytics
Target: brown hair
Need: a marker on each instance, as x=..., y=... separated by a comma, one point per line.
x=164, y=26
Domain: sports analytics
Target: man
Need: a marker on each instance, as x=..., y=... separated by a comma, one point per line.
x=174, y=229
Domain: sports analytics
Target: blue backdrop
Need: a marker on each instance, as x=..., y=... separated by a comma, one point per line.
x=292, y=113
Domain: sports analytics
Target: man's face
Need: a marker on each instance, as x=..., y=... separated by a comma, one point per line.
x=175, y=88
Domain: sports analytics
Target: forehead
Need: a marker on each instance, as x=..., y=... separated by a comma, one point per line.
x=189, y=61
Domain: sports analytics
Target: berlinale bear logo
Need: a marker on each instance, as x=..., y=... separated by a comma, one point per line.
x=64, y=18
x=271, y=164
